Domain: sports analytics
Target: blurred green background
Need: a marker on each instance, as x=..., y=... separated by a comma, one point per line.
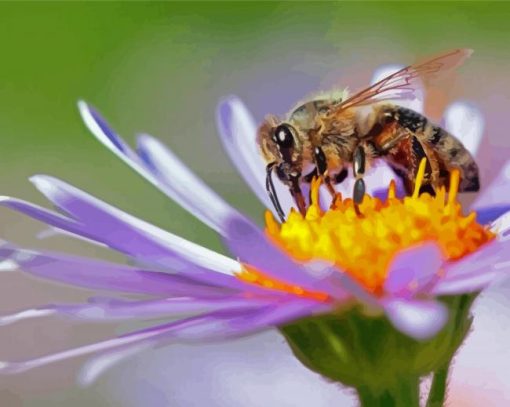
x=162, y=67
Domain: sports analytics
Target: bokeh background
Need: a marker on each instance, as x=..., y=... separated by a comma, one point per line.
x=161, y=68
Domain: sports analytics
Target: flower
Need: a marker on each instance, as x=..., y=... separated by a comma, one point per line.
x=420, y=249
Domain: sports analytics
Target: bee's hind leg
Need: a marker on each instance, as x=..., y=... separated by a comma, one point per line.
x=358, y=169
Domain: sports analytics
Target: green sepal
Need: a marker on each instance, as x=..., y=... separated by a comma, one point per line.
x=367, y=352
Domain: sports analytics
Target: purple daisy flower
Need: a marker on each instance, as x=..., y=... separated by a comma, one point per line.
x=266, y=283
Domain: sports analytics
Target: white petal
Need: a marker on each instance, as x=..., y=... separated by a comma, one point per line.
x=465, y=122
x=26, y=314
x=420, y=319
x=55, y=232
x=96, y=366
x=501, y=226
x=8, y=265
x=19, y=367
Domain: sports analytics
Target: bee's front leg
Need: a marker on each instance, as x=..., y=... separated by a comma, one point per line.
x=322, y=169
x=299, y=199
x=358, y=169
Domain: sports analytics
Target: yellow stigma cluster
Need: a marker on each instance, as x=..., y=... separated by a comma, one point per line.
x=364, y=246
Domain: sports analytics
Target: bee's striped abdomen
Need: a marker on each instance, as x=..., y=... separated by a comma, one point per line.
x=452, y=154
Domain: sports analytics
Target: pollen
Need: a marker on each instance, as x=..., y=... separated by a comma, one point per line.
x=365, y=245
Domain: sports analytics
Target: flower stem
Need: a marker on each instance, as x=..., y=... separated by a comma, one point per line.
x=405, y=393
x=438, y=389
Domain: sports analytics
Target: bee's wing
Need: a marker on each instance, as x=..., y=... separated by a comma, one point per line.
x=403, y=83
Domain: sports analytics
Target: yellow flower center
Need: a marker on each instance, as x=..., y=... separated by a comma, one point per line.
x=364, y=246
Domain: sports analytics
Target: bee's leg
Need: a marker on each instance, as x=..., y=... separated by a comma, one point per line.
x=419, y=153
x=358, y=167
x=396, y=136
x=322, y=169
x=272, y=192
x=341, y=176
x=310, y=176
x=296, y=193
x=307, y=179
x=336, y=179
x=408, y=176
x=402, y=175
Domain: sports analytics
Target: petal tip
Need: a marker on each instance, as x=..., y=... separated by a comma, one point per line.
x=420, y=319
x=44, y=183
x=83, y=106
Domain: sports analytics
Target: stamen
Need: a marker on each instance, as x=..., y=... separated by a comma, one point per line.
x=314, y=193
x=454, y=186
x=419, y=177
x=364, y=247
x=392, y=190
x=271, y=224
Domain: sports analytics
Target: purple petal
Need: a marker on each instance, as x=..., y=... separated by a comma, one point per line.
x=56, y=232
x=465, y=122
x=115, y=309
x=229, y=325
x=489, y=257
x=168, y=307
x=146, y=336
x=247, y=242
x=215, y=325
x=109, y=225
x=44, y=215
x=468, y=283
x=103, y=132
x=224, y=326
x=480, y=269
x=420, y=319
x=134, y=237
x=151, y=165
x=413, y=269
x=103, y=275
x=237, y=131
x=180, y=184
x=489, y=214
x=339, y=284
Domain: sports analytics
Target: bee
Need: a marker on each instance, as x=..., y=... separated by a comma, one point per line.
x=329, y=135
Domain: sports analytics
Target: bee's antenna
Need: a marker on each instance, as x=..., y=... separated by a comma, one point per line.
x=272, y=192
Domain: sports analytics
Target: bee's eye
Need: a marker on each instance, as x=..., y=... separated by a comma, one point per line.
x=283, y=136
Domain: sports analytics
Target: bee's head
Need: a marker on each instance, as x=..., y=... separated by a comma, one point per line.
x=281, y=147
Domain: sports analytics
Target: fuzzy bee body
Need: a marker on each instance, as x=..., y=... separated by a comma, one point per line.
x=397, y=135
x=331, y=134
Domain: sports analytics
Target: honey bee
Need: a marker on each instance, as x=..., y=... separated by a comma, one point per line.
x=332, y=134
